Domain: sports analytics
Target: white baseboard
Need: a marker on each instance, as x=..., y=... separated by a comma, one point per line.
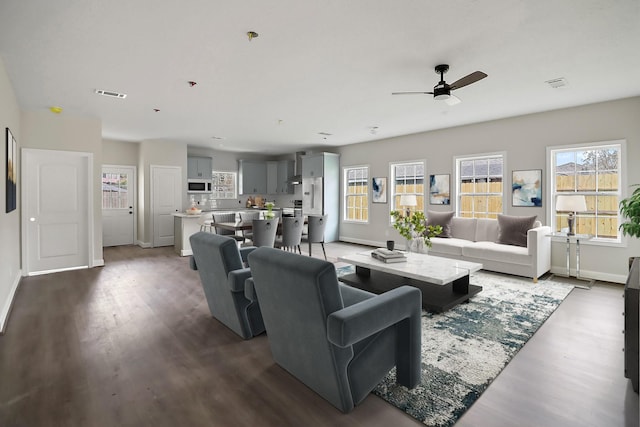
x=361, y=241
x=143, y=244
x=589, y=274
x=98, y=262
x=6, y=310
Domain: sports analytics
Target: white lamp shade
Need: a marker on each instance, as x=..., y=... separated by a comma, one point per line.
x=408, y=200
x=571, y=203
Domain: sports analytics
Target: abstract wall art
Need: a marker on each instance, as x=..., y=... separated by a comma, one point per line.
x=439, y=190
x=526, y=188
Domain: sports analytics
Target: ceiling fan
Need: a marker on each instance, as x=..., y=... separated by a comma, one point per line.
x=442, y=91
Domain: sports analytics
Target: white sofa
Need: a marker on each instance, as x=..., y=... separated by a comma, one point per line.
x=477, y=240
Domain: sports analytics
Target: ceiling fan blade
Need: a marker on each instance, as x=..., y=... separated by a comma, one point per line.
x=452, y=100
x=412, y=93
x=467, y=80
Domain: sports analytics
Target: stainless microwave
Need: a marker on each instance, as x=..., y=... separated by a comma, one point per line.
x=202, y=186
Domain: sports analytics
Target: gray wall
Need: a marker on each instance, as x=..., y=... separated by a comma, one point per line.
x=10, y=266
x=524, y=139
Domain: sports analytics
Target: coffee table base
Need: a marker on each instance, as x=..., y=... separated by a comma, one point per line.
x=435, y=298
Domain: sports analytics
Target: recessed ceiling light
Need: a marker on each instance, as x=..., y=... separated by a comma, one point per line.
x=192, y=83
x=157, y=110
x=111, y=93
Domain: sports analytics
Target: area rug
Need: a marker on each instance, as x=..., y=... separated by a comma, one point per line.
x=465, y=348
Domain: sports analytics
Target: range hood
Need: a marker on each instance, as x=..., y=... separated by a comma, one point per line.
x=297, y=178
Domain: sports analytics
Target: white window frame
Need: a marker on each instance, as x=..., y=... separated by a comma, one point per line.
x=392, y=186
x=346, y=196
x=228, y=194
x=621, y=192
x=457, y=160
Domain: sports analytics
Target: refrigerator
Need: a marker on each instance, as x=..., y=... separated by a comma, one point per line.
x=312, y=196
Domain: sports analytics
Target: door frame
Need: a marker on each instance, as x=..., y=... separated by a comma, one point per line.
x=88, y=159
x=135, y=195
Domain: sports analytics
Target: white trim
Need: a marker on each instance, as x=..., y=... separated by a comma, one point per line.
x=590, y=274
x=8, y=304
x=455, y=189
x=135, y=194
x=344, y=195
x=620, y=241
x=425, y=184
x=145, y=245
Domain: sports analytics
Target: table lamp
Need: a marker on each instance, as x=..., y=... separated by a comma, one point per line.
x=571, y=204
x=408, y=200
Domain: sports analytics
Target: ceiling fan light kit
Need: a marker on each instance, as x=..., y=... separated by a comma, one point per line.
x=442, y=91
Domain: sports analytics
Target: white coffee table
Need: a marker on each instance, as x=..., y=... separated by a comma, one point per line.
x=444, y=282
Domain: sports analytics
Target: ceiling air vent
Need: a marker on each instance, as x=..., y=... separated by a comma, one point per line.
x=111, y=93
x=556, y=83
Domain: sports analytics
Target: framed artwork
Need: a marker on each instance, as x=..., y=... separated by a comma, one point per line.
x=12, y=175
x=439, y=190
x=379, y=190
x=526, y=188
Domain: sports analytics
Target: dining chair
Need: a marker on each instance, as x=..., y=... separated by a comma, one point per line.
x=206, y=223
x=226, y=217
x=316, y=225
x=247, y=217
x=291, y=234
x=264, y=232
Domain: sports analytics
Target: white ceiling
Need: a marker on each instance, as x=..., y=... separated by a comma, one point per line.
x=317, y=66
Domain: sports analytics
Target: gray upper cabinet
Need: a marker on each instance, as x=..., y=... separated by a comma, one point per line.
x=199, y=167
x=313, y=165
x=286, y=169
x=253, y=177
x=272, y=177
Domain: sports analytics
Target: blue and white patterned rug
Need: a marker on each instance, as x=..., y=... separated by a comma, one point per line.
x=465, y=348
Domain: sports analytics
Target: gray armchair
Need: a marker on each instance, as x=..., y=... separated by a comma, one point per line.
x=337, y=340
x=220, y=265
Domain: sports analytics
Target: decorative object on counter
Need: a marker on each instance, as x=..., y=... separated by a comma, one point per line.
x=193, y=211
x=250, y=202
x=414, y=228
x=391, y=244
x=571, y=203
x=269, y=214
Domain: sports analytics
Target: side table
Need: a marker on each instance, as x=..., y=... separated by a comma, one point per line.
x=574, y=238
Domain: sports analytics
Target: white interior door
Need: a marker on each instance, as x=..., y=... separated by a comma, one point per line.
x=166, y=199
x=56, y=210
x=118, y=205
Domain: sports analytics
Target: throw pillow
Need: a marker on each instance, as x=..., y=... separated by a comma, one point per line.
x=512, y=230
x=442, y=219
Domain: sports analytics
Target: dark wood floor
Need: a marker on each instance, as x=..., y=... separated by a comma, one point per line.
x=133, y=344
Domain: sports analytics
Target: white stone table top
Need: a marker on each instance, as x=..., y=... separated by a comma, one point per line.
x=425, y=267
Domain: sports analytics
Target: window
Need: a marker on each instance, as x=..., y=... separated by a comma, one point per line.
x=480, y=186
x=115, y=190
x=224, y=185
x=407, y=179
x=593, y=171
x=356, y=194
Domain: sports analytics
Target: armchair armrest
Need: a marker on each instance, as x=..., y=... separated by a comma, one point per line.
x=250, y=290
x=244, y=252
x=539, y=247
x=352, y=324
x=237, y=278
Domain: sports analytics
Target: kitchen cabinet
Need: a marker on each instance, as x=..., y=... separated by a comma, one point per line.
x=253, y=177
x=199, y=167
x=313, y=165
x=286, y=169
x=272, y=177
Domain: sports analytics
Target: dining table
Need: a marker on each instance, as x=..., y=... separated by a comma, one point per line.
x=244, y=225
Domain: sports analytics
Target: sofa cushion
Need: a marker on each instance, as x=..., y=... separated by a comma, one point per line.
x=443, y=219
x=513, y=229
x=507, y=254
x=486, y=230
x=463, y=228
x=448, y=246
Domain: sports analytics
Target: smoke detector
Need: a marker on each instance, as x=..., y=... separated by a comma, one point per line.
x=111, y=93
